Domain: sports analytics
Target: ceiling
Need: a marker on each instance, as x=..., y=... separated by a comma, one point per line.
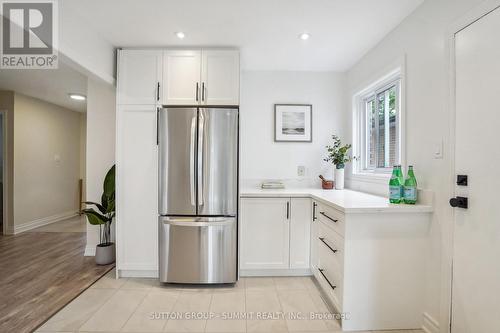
x=266, y=31
x=51, y=85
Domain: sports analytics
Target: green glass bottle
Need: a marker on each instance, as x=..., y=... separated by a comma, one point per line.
x=395, y=186
x=410, y=187
x=402, y=182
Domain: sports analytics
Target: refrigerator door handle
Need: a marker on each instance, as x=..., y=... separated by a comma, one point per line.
x=192, y=162
x=199, y=222
x=201, y=127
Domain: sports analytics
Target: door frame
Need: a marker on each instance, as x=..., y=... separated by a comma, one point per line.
x=469, y=18
x=5, y=183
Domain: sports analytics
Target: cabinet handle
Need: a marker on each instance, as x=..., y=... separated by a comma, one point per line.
x=328, y=246
x=331, y=285
x=328, y=217
x=203, y=91
x=158, y=91
x=157, y=126
x=287, y=210
x=314, y=211
x=197, y=91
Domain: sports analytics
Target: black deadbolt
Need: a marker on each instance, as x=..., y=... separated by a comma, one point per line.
x=460, y=202
x=462, y=180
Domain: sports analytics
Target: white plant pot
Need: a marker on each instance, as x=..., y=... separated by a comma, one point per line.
x=339, y=179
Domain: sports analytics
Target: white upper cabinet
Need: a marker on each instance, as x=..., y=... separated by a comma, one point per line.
x=220, y=77
x=201, y=77
x=181, y=77
x=139, y=76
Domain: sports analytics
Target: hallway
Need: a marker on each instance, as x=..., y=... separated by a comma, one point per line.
x=41, y=272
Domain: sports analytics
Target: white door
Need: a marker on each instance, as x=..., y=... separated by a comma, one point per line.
x=300, y=229
x=137, y=188
x=220, y=77
x=476, y=260
x=181, y=77
x=264, y=233
x=139, y=76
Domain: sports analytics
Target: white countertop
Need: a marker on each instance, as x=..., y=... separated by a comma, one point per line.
x=347, y=201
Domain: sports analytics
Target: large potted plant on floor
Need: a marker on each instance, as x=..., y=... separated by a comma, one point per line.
x=105, y=250
x=337, y=155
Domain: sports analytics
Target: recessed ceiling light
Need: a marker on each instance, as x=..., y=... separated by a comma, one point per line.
x=180, y=35
x=304, y=36
x=78, y=97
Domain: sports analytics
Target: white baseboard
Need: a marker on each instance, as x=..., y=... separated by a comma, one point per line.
x=275, y=272
x=43, y=221
x=138, y=273
x=89, y=251
x=430, y=325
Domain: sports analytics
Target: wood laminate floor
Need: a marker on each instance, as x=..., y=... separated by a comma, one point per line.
x=40, y=272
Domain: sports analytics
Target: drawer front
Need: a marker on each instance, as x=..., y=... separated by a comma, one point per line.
x=330, y=269
x=330, y=243
x=331, y=217
x=330, y=286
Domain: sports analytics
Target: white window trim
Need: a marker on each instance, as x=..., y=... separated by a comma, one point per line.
x=359, y=172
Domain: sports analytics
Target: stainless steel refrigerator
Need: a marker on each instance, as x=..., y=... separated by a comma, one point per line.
x=198, y=184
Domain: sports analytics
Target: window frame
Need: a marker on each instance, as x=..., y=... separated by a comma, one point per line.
x=365, y=130
x=361, y=167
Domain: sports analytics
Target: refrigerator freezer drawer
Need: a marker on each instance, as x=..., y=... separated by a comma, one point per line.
x=198, y=250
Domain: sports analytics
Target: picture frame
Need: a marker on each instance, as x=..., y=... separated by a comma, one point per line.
x=293, y=122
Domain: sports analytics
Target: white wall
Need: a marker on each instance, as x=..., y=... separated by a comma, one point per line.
x=261, y=157
x=82, y=46
x=422, y=38
x=100, y=149
x=46, y=161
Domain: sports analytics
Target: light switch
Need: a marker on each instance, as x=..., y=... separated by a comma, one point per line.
x=301, y=171
x=438, y=150
x=57, y=159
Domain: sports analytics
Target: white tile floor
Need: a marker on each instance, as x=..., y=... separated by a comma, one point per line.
x=143, y=305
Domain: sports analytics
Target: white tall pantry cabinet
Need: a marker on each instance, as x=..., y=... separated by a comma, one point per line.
x=139, y=77
x=146, y=80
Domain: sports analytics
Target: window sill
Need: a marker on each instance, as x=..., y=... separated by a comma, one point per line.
x=378, y=178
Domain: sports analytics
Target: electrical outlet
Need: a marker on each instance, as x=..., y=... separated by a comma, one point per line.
x=301, y=171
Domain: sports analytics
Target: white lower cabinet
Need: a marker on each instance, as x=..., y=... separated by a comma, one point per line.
x=264, y=233
x=371, y=266
x=300, y=227
x=274, y=234
x=136, y=190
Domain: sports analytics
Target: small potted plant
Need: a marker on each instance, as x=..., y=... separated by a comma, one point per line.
x=105, y=250
x=337, y=155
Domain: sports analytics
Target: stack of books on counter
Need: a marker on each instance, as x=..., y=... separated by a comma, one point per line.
x=272, y=185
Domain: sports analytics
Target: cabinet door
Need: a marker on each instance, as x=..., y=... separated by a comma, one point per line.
x=220, y=77
x=139, y=73
x=181, y=77
x=137, y=188
x=264, y=233
x=314, y=236
x=300, y=227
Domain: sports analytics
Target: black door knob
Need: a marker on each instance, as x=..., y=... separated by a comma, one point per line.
x=460, y=202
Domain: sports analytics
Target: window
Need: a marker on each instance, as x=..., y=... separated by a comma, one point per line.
x=378, y=144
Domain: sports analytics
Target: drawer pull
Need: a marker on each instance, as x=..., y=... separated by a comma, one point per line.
x=328, y=246
x=328, y=217
x=331, y=285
